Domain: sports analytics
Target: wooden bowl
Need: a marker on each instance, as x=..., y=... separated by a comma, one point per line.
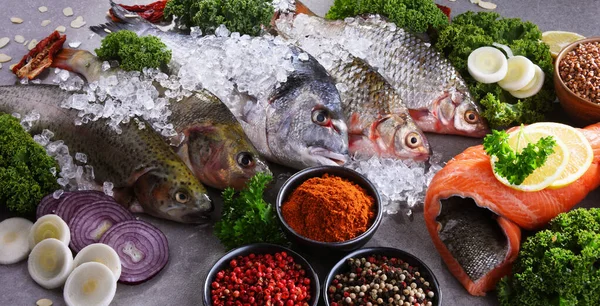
x=580, y=110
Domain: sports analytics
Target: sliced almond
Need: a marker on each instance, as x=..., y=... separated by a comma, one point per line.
x=32, y=44
x=61, y=29
x=4, y=41
x=68, y=11
x=45, y=23
x=19, y=39
x=12, y=66
x=16, y=20
x=75, y=44
x=44, y=302
x=4, y=58
x=474, y=1
x=25, y=43
x=0, y=65
x=42, y=9
x=487, y=5
x=77, y=23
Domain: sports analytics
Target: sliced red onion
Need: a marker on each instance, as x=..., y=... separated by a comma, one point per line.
x=48, y=204
x=143, y=250
x=90, y=222
x=75, y=200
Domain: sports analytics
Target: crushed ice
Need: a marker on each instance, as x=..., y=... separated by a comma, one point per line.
x=284, y=6
x=401, y=184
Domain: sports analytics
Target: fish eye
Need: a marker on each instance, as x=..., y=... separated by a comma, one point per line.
x=471, y=116
x=320, y=117
x=413, y=140
x=245, y=159
x=182, y=197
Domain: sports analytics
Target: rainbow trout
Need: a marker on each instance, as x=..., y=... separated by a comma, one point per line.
x=138, y=161
x=287, y=104
x=214, y=145
x=436, y=95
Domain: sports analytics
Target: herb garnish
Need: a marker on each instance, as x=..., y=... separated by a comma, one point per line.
x=247, y=218
x=513, y=166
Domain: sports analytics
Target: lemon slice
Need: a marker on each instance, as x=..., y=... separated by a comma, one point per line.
x=545, y=175
x=581, y=153
x=557, y=40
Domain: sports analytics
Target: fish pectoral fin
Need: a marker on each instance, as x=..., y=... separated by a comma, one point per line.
x=136, y=207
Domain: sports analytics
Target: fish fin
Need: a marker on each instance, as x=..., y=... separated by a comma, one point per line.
x=136, y=207
x=129, y=21
x=62, y=59
x=303, y=9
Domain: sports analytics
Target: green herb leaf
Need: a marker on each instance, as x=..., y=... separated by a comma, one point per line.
x=247, y=218
x=513, y=166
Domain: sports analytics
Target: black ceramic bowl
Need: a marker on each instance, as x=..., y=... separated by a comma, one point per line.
x=261, y=248
x=345, y=246
x=423, y=269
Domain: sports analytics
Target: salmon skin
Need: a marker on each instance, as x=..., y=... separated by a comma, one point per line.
x=474, y=220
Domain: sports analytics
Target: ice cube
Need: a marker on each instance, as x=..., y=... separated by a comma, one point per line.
x=107, y=187
x=222, y=31
x=56, y=194
x=53, y=171
x=105, y=66
x=81, y=157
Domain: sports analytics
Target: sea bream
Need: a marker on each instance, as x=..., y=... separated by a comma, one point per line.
x=436, y=95
x=288, y=105
x=212, y=144
x=138, y=161
x=379, y=124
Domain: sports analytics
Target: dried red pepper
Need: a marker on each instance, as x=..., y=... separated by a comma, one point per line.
x=153, y=12
x=40, y=57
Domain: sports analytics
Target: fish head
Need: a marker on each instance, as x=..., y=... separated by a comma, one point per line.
x=305, y=123
x=180, y=198
x=459, y=114
x=221, y=155
x=409, y=141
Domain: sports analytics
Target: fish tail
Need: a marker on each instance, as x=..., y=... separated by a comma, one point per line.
x=63, y=59
x=128, y=21
x=79, y=61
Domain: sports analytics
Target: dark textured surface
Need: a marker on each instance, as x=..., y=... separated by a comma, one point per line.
x=193, y=249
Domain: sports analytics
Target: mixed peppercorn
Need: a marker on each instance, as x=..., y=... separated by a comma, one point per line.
x=580, y=70
x=379, y=280
x=262, y=279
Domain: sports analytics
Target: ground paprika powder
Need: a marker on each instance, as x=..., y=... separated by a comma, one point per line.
x=329, y=209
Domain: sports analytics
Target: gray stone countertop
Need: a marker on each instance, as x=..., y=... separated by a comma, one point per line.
x=193, y=249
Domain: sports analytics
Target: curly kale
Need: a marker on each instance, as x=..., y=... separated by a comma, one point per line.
x=247, y=218
x=558, y=266
x=25, y=175
x=414, y=15
x=469, y=31
x=134, y=52
x=243, y=16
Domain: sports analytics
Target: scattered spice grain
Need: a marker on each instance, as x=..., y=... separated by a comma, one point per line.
x=329, y=209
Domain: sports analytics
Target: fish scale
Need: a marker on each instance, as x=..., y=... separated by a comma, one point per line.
x=431, y=88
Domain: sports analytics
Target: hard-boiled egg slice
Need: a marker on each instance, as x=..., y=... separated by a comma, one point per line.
x=50, y=263
x=13, y=240
x=49, y=226
x=102, y=253
x=92, y=283
x=487, y=65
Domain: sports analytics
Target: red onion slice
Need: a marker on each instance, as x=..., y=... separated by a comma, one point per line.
x=90, y=222
x=143, y=250
x=75, y=200
x=48, y=204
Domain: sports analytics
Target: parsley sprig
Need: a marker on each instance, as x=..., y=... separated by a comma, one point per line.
x=517, y=166
x=247, y=218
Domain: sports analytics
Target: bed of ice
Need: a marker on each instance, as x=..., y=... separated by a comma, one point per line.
x=401, y=183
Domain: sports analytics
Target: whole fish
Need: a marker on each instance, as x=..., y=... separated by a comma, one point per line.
x=138, y=161
x=378, y=122
x=475, y=221
x=288, y=106
x=214, y=145
x=436, y=95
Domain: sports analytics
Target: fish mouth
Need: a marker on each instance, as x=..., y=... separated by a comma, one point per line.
x=473, y=236
x=327, y=157
x=196, y=218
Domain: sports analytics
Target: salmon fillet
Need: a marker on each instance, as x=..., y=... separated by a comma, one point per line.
x=474, y=220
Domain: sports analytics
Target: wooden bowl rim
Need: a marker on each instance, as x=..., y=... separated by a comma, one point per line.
x=557, y=76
